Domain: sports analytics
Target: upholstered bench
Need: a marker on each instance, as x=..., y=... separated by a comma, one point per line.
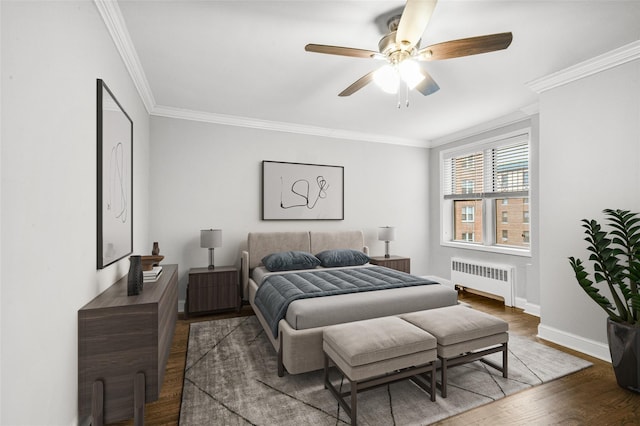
x=377, y=351
x=463, y=335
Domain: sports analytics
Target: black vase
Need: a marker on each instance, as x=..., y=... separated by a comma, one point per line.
x=134, y=278
x=624, y=346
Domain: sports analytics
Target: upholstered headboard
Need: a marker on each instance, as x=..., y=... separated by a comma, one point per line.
x=321, y=241
x=260, y=244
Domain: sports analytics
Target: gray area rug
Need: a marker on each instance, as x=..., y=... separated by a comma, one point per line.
x=231, y=379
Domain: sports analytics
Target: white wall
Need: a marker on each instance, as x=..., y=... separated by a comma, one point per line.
x=527, y=288
x=52, y=54
x=207, y=175
x=589, y=157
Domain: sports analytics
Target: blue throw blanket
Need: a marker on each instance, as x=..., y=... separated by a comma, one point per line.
x=277, y=291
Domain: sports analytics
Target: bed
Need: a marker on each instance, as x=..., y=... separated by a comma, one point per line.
x=298, y=339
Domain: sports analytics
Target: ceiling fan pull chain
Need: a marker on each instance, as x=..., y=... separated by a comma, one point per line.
x=406, y=97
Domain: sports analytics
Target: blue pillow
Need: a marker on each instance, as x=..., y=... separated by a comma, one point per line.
x=342, y=257
x=290, y=260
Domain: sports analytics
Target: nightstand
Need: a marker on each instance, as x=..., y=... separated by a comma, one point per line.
x=398, y=263
x=213, y=290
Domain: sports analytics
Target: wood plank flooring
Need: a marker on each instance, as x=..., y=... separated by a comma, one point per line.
x=589, y=397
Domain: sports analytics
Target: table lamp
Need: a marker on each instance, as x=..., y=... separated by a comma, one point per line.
x=386, y=234
x=211, y=238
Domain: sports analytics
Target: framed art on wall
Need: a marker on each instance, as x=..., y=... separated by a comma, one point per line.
x=296, y=191
x=115, y=178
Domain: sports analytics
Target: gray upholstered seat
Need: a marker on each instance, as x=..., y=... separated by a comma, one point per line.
x=376, y=351
x=463, y=335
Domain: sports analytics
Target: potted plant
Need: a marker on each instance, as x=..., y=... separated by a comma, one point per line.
x=616, y=264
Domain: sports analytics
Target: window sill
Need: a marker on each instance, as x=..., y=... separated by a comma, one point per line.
x=492, y=249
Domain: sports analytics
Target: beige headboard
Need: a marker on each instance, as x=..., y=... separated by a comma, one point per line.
x=260, y=244
x=321, y=241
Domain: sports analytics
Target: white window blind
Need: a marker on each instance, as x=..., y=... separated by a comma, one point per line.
x=498, y=169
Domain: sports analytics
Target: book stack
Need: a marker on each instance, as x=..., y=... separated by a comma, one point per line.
x=152, y=275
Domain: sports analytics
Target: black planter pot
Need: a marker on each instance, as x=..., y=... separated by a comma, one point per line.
x=624, y=346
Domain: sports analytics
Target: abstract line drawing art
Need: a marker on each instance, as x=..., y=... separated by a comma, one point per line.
x=115, y=179
x=298, y=191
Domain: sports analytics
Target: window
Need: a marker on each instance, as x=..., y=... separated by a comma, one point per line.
x=468, y=213
x=485, y=187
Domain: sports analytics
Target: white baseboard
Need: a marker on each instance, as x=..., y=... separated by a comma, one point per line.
x=587, y=346
x=529, y=308
x=181, y=305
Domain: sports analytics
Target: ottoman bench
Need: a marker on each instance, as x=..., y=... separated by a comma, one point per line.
x=377, y=351
x=463, y=335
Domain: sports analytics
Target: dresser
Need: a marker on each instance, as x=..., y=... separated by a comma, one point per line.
x=123, y=348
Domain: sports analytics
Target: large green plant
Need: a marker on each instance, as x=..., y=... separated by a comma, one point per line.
x=616, y=262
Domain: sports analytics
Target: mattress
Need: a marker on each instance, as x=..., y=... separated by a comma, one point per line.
x=322, y=311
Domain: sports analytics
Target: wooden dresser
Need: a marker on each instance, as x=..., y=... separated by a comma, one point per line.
x=123, y=348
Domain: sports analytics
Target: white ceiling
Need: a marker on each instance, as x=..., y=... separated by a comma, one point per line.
x=246, y=59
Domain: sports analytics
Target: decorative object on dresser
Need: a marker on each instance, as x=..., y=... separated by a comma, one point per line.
x=213, y=290
x=149, y=262
x=211, y=238
x=123, y=348
x=386, y=234
x=399, y=263
x=115, y=179
x=134, y=277
x=152, y=275
x=295, y=191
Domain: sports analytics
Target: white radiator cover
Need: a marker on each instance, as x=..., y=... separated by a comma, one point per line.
x=498, y=280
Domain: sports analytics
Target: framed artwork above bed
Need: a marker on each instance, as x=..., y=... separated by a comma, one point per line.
x=297, y=191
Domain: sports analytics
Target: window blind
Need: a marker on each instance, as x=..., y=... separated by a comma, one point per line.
x=494, y=170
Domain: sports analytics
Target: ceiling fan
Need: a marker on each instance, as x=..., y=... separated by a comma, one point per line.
x=400, y=48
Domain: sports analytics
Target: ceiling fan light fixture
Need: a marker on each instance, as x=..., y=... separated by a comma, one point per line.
x=410, y=73
x=387, y=78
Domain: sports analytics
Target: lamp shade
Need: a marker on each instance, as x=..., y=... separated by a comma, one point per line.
x=211, y=238
x=386, y=233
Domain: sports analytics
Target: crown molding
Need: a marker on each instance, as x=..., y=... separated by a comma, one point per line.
x=622, y=55
x=113, y=19
x=522, y=114
x=278, y=126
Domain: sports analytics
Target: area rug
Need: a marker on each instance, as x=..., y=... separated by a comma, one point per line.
x=231, y=379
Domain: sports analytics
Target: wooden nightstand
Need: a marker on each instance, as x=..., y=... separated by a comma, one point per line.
x=213, y=290
x=398, y=263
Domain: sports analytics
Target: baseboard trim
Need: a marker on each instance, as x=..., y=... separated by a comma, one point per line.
x=529, y=308
x=586, y=346
x=181, y=305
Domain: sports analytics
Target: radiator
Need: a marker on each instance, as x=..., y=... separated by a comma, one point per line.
x=497, y=280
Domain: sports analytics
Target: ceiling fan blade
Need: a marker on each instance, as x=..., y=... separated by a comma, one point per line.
x=465, y=47
x=359, y=84
x=413, y=22
x=428, y=85
x=343, y=51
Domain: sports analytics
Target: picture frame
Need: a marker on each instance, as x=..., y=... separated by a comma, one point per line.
x=114, y=180
x=299, y=191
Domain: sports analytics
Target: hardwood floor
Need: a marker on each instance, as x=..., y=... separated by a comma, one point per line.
x=589, y=397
